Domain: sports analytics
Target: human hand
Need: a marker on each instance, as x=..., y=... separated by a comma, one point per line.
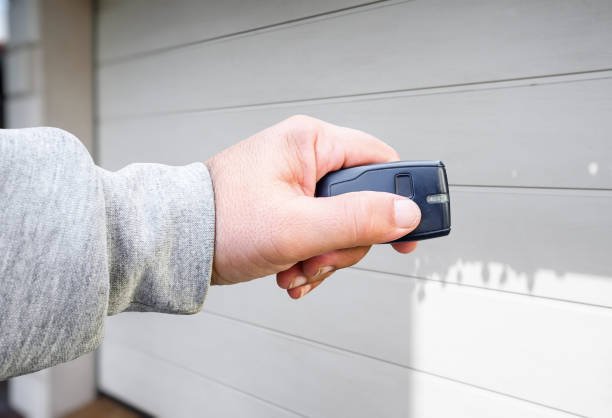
x=267, y=220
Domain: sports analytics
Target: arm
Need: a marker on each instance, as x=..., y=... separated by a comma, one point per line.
x=78, y=243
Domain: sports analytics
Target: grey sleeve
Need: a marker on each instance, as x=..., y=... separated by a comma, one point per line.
x=78, y=243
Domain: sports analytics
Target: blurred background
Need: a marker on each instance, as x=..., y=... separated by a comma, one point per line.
x=509, y=316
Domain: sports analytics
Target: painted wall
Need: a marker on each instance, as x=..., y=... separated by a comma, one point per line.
x=509, y=316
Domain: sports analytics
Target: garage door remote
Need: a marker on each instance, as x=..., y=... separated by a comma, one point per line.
x=422, y=181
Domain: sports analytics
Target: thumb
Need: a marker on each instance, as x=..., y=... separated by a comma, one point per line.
x=351, y=220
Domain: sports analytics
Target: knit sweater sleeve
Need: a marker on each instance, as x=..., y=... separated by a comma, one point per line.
x=78, y=243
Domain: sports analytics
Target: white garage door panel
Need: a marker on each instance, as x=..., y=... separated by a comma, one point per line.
x=288, y=370
x=549, y=243
x=509, y=316
x=136, y=26
x=509, y=343
x=166, y=390
x=514, y=136
x=403, y=46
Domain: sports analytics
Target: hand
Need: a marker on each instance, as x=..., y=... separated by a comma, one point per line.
x=269, y=222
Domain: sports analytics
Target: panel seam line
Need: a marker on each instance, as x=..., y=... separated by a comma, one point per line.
x=512, y=292
x=375, y=358
x=331, y=13
x=484, y=85
x=206, y=377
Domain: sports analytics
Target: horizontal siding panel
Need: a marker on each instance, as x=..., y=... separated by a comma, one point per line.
x=509, y=343
x=165, y=390
x=308, y=378
x=408, y=45
x=132, y=27
x=551, y=134
x=547, y=243
x=482, y=248
x=375, y=340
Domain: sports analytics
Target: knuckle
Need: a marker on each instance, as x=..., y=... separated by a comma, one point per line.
x=304, y=126
x=302, y=119
x=301, y=126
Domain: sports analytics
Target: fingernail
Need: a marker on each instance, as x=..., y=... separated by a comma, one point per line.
x=298, y=281
x=322, y=271
x=304, y=290
x=407, y=213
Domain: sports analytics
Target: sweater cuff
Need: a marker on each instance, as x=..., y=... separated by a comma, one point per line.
x=160, y=237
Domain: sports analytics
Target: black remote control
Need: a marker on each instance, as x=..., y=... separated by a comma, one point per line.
x=422, y=181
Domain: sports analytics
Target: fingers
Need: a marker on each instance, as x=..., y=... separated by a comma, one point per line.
x=344, y=221
x=315, y=268
x=404, y=247
x=321, y=266
x=291, y=278
x=339, y=147
x=306, y=276
x=301, y=291
x=335, y=146
x=333, y=260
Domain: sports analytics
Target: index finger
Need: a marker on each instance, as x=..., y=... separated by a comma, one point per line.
x=340, y=147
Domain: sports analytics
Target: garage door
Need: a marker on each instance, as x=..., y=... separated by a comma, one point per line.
x=509, y=316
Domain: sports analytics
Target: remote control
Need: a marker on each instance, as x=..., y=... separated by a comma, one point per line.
x=422, y=181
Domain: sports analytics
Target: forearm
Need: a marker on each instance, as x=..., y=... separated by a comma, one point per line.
x=78, y=243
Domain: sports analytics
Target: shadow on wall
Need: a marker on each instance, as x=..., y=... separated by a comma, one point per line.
x=520, y=240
